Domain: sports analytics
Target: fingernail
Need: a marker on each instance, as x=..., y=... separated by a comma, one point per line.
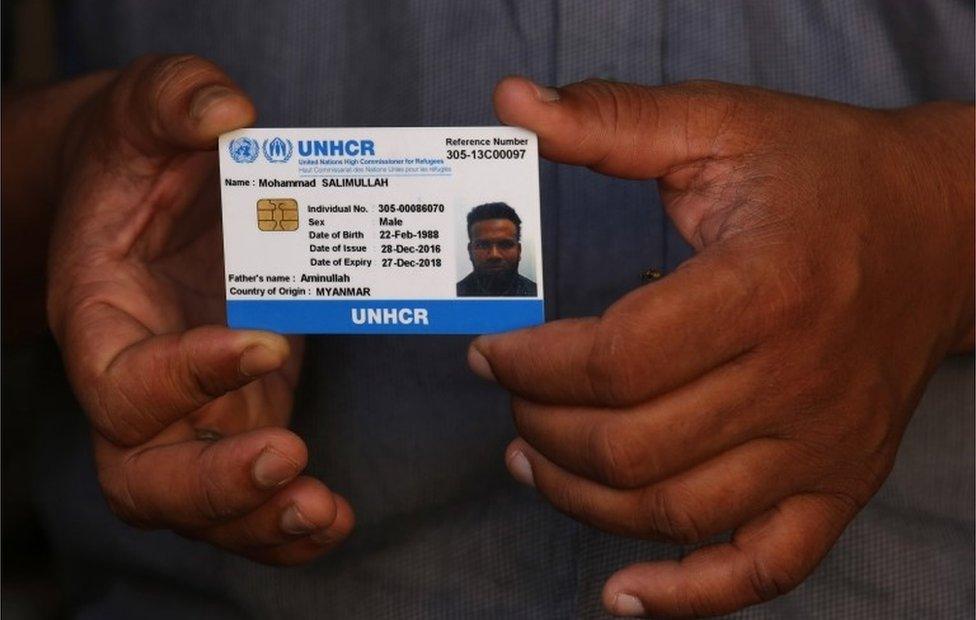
x=258, y=359
x=273, y=469
x=294, y=522
x=546, y=93
x=479, y=364
x=520, y=468
x=206, y=97
x=628, y=605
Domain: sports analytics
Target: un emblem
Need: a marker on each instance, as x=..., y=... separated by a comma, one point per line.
x=276, y=150
x=243, y=150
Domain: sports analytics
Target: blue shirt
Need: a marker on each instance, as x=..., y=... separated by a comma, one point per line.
x=399, y=425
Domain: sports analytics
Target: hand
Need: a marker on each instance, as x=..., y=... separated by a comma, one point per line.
x=764, y=385
x=189, y=417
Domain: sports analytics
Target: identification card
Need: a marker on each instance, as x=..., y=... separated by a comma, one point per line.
x=382, y=230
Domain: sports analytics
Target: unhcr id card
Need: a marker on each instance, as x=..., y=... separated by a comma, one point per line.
x=382, y=230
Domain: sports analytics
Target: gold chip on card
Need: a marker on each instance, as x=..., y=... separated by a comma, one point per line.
x=277, y=214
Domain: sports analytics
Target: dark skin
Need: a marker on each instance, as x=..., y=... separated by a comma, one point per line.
x=189, y=417
x=495, y=251
x=762, y=387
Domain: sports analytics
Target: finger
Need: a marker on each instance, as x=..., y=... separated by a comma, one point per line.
x=636, y=446
x=622, y=129
x=194, y=484
x=304, y=509
x=766, y=558
x=663, y=335
x=691, y=136
x=135, y=159
x=711, y=498
x=165, y=104
x=133, y=383
x=310, y=547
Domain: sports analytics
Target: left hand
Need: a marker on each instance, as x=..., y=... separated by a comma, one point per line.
x=764, y=386
x=189, y=417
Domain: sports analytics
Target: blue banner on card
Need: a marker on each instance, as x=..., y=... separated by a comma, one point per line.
x=439, y=316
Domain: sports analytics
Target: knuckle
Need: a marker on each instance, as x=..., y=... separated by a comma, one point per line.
x=98, y=390
x=207, y=503
x=113, y=415
x=611, y=368
x=117, y=491
x=168, y=80
x=136, y=412
x=848, y=500
x=669, y=513
x=873, y=473
x=621, y=110
x=248, y=533
x=188, y=384
x=164, y=76
x=621, y=104
x=617, y=459
x=149, y=87
x=724, y=115
x=201, y=383
x=854, y=481
x=768, y=580
x=790, y=293
x=211, y=496
x=73, y=327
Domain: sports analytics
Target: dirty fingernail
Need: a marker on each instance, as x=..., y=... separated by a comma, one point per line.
x=546, y=93
x=273, y=469
x=294, y=522
x=206, y=97
x=258, y=359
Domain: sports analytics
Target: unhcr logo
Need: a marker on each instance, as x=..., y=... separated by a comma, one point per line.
x=277, y=150
x=243, y=150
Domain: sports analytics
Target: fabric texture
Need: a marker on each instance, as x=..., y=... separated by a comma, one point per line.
x=399, y=425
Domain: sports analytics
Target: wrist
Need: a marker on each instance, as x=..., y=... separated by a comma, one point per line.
x=940, y=151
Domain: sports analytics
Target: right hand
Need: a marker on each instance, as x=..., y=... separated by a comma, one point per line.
x=189, y=417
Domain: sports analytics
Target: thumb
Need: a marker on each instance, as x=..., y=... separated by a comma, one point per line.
x=161, y=105
x=627, y=130
x=158, y=115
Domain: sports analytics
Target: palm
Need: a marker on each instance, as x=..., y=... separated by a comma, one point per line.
x=188, y=414
x=187, y=269
x=171, y=281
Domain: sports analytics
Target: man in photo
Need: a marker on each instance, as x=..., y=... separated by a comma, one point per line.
x=495, y=248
